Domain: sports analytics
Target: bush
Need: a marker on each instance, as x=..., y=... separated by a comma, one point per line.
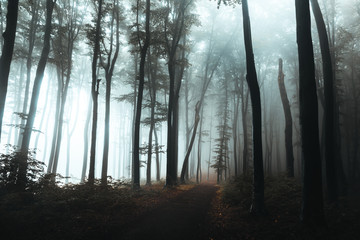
x=9, y=170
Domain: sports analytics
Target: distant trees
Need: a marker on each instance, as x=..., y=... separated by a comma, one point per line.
x=67, y=32
x=7, y=53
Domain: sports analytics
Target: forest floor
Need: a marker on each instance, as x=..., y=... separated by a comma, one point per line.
x=205, y=211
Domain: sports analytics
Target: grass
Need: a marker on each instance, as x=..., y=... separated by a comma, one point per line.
x=77, y=211
x=283, y=202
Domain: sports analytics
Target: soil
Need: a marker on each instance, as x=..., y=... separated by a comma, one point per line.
x=186, y=212
x=184, y=217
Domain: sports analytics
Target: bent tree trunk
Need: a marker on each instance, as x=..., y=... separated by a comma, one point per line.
x=312, y=200
x=7, y=53
x=35, y=94
x=330, y=142
x=288, y=122
x=258, y=205
x=187, y=156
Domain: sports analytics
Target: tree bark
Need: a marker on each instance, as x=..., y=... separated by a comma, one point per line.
x=144, y=48
x=258, y=205
x=35, y=94
x=288, y=122
x=330, y=141
x=109, y=70
x=7, y=53
x=312, y=200
x=95, y=95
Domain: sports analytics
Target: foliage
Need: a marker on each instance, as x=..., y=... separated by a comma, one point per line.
x=9, y=168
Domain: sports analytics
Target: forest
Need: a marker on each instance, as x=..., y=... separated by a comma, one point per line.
x=180, y=119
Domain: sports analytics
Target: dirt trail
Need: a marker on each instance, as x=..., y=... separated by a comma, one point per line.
x=184, y=217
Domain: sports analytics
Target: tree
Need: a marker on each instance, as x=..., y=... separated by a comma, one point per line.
x=177, y=24
x=288, y=122
x=109, y=66
x=7, y=53
x=64, y=44
x=330, y=141
x=258, y=205
x=34, y=10
x=95, y=92
x=35, y=94
x=143, y=51
x=312, y=200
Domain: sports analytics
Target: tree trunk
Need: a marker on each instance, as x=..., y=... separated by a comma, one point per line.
x=95, y=95
x=35, y=94
x=136, y=152
x=109, y=69
x=86, y=141
x=258, y=205
x=288, y=123
x=330, y=141
x=7, y=53
x=187, y=156
x=312, y=202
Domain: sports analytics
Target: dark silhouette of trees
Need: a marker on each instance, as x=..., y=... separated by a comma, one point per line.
x=258, y=205
x=95, y=92
x=288, y=122
x=143, y=51
x=330, y=141
x=111, y=56
x=35, y=94
x=312, y=200
x=7, y=53
x=67, y=31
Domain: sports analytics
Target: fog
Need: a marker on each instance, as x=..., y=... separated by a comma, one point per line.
x=213, y=51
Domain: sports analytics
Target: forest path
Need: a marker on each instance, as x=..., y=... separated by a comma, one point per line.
x=184, y=217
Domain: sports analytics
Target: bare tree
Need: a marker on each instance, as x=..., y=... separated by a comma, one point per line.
x=312, y=202
x=7, y=53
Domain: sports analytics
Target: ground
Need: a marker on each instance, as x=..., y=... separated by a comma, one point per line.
x=205, y=211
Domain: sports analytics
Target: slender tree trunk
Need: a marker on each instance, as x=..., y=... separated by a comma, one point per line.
x=198, y=169
x=288, y=123
x=31, y=41
x=95, y=95
x=144, y=48
x=7, y=53
x=109, y=69
x=312, y=203
x=258, y=205
x=187, y=156
x=35, y=94
x=86, y=141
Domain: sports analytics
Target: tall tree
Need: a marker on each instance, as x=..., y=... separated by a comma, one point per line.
x=312, y=199
x=288, y=122
x=109, y=65
x=330, y=141
x=258, y=205
x=7, y=53
x=64, y=44
x=176, y=26
x=34, y=9
x=143, y=52
x=35, y=93
x=95, y=93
